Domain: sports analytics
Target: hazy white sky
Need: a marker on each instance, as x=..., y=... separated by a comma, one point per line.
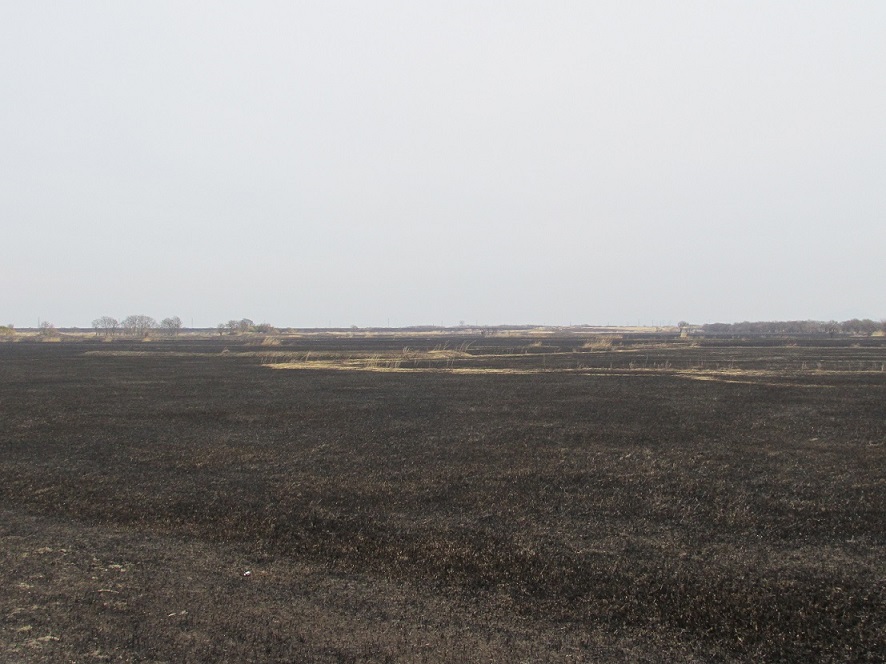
x=372, y=163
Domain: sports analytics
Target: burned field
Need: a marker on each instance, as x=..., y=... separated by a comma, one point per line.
x=429, y=499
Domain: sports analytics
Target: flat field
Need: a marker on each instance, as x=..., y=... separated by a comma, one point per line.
x=443, y=499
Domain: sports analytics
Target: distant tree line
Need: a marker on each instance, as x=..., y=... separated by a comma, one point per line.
x=141, y=326
x=137, y=325
x=244, y=326
x=854, y=327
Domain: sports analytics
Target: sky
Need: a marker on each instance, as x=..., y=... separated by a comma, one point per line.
x=376, y=163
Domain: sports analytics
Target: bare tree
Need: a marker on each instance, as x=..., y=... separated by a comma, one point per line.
x=238, y=326
x=138, y=325
x=171, y=326
x=857, y=327
x=47, y=329
x=106, y=325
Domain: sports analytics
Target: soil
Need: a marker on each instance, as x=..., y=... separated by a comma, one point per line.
x=425, y=499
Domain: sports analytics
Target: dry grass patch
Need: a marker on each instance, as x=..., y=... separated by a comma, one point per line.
x=601, y=342
x=437, y=359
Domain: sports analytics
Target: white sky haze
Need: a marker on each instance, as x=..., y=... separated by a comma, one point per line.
x=403, y=163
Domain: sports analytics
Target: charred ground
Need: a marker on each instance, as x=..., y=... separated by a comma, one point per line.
x=443, y=499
